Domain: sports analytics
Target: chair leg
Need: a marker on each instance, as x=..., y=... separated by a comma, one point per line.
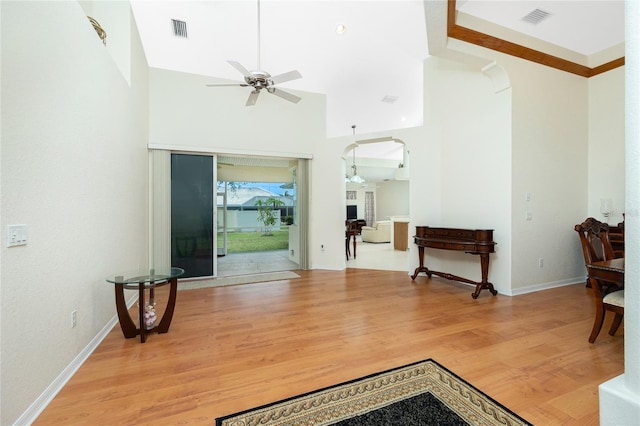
x=615, y=324
x=597, y=324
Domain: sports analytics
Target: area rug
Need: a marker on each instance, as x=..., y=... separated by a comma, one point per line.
x=237, y=279
x=422, y=393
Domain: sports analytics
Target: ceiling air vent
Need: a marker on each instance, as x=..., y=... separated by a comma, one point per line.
x=536, y=16
x=389, y=99
x=179, y=28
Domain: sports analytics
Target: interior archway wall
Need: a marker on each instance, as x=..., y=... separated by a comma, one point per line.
x=391, y=198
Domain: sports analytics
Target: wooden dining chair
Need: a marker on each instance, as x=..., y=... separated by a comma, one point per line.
x=596, y=247
x=613, y=301
x=351, y=230
x=595, y=243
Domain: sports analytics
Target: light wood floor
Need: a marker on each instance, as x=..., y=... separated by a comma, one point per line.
x=233, y=348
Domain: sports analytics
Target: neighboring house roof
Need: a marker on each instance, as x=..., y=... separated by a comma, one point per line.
x=247, y=197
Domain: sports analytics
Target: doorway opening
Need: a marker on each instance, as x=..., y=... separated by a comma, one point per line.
x=254, y=226
x=234, y=215
x=379, y=197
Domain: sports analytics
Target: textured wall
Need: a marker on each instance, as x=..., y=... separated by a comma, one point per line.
x=74, y=170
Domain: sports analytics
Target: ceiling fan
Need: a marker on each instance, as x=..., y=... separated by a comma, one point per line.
x=260, y=79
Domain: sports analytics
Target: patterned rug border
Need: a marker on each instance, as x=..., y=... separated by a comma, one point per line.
x=238, y=280
x=334, y=403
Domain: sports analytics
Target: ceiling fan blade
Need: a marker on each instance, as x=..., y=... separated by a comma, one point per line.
x=253, y=97
x=287, y=76
x=240, y=68
x=285, y=95
x=223, y=85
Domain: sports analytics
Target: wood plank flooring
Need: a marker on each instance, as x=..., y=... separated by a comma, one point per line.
x=234, y=348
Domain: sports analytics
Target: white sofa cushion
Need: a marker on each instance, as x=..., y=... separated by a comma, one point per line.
x=380, y=232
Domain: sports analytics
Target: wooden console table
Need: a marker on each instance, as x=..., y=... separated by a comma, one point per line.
x=479, y=242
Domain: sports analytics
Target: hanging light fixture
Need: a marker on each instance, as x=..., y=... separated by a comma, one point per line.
x=355, y=178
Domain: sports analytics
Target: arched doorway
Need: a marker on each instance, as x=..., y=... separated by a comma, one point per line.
x=379, y=195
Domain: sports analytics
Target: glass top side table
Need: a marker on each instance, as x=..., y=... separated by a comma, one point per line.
x=142, y=280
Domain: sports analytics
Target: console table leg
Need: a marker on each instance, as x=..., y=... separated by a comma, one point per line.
x=126, y=323
x=421, y=268
x=484, y=264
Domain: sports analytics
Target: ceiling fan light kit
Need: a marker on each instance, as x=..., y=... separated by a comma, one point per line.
x=260, y=79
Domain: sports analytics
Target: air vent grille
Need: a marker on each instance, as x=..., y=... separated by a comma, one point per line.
x=536, y=16
x=179, y=28
x=389, y=99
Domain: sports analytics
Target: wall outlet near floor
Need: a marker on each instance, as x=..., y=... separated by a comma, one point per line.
x=321, y=247
x=540, y=263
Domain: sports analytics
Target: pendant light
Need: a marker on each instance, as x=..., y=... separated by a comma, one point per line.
x=355, y=178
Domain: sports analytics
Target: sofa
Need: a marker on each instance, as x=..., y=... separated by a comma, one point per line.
x=380, y=232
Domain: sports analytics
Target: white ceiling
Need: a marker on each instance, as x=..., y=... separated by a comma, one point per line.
x=380, y=54
x=582, y=26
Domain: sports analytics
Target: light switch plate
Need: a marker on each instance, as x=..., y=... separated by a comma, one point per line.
x=16, y=235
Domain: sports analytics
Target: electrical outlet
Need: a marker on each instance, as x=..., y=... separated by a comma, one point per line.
x=321, y=247
x=540, y=263
x=74, y=318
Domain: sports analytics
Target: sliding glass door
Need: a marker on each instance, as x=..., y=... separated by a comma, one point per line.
x=219, y=216
x=192, y=214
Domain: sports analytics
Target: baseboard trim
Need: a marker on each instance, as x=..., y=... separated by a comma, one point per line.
x=37, y=407
x=546, y=286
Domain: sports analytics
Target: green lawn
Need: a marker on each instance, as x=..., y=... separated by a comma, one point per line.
x=242, y=242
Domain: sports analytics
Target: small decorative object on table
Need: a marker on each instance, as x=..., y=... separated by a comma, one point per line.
x=150, y=315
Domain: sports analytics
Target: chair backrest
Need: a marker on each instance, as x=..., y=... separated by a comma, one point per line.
x=616, y=236
x=594, y=239
x=352, y=226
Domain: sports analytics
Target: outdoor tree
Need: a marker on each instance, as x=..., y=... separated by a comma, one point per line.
x=266, y=212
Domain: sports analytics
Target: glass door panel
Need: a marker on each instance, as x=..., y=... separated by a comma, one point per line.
x=192, y=214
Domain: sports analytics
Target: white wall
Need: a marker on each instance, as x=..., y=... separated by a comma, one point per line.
x=392, y=199
x=534, y=137
x=185, y=114
x=74, y=170
x=465, y=181
x=606, y=143
x=620, y=396
x=550, y=143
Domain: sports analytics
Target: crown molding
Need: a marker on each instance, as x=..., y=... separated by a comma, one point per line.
x=494, y=43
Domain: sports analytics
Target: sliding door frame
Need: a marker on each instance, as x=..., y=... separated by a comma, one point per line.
x=160, y=205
